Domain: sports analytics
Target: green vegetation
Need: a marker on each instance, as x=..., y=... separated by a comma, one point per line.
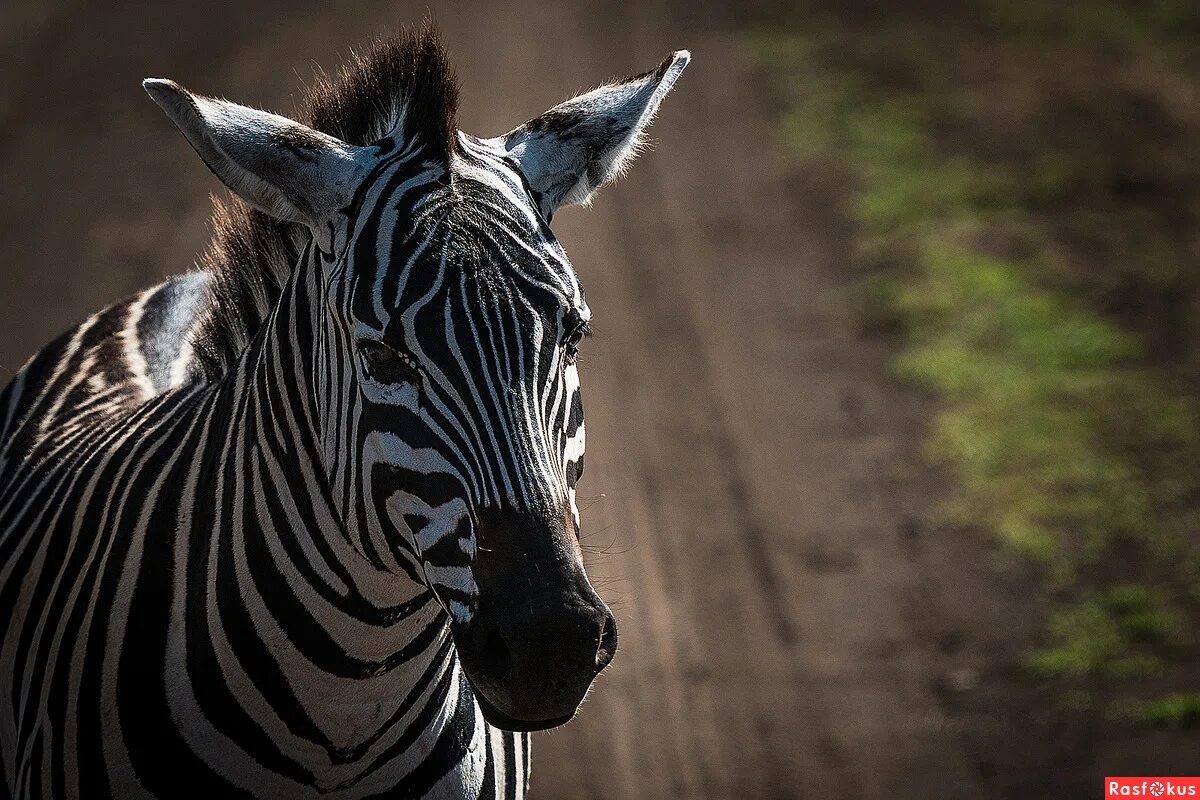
x=1011, y=234
x=1118, y=634
x=1175, y=711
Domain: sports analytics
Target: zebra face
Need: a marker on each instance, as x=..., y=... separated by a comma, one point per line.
x=445, y=388
x=465, y=336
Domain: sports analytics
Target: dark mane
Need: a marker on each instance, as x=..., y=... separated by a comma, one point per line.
x=403, y=80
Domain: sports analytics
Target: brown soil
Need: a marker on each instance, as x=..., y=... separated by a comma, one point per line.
x=792, y=625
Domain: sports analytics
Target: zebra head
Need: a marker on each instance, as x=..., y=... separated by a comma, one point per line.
x=443, y=364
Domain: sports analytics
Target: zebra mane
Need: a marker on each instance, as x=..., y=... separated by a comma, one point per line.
x=402, y=86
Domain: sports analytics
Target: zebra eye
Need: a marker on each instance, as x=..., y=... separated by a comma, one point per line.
x=385, y=365
x=575, y=334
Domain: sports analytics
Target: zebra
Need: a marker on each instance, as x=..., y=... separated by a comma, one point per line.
x=302, y=521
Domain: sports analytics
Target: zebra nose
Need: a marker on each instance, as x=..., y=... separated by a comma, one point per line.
x=496, y=650
x=539, y=634
x=531, y=669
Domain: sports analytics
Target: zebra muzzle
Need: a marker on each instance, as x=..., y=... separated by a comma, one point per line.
x=540, y=634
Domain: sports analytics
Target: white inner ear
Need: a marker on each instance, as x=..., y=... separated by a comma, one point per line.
x=279, y=166
x=577, y=147
x=238, y=136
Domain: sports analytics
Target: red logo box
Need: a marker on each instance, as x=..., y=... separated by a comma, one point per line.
x=1117, y=788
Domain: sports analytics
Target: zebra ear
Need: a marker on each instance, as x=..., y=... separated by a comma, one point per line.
x=575, y=148
x=281, y=167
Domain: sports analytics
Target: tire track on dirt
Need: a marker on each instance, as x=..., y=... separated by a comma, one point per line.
x=683, y=331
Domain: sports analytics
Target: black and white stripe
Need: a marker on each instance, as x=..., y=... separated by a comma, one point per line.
x=241, y=512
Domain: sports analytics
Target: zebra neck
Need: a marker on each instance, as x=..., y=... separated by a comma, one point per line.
x=352, y=661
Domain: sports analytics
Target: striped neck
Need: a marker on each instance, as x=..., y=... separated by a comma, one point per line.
x=363, y=676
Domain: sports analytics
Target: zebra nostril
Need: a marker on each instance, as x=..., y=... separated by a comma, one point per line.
x=496, y=651
x=608, y=642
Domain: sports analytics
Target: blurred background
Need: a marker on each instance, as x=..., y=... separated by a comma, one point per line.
x=893, y=472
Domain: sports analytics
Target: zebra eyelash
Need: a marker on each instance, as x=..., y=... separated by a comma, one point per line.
x=571, y=340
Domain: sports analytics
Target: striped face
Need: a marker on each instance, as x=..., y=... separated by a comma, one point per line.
x=459, y=319
x=462, y=319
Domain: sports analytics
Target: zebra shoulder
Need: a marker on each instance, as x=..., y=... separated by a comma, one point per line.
x=118, y=358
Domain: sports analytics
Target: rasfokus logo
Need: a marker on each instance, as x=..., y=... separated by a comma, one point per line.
x=1151, y=787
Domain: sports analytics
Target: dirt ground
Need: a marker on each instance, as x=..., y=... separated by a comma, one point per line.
x=792, y=625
